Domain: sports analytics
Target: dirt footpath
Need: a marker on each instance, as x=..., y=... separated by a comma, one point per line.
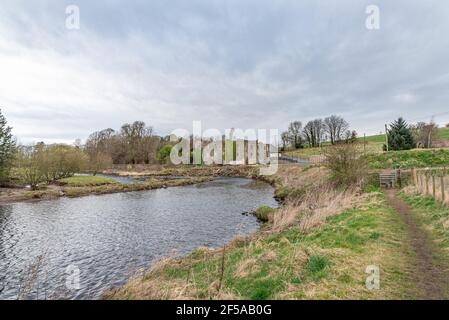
x=430, y=278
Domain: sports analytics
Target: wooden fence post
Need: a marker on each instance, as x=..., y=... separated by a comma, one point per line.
x=443, y=195
x=422, y=187
x=427, y=184
x=434, y=191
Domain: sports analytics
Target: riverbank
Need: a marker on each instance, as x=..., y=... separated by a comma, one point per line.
x=58, y=190
x=185, y=170
x=158, y=177
x=317, y=245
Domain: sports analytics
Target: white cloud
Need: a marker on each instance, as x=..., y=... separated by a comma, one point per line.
x=405, y=97
x=229, y=65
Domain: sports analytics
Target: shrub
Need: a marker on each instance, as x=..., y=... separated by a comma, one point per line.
x=346, y=165
x=48, y=163
x=263, y=213
x=99, y=162
x=317, y=263
x=164, y=153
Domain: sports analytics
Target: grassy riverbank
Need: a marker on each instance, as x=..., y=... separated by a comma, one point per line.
x=86, y=185
x=86, y=181
x=316, y=246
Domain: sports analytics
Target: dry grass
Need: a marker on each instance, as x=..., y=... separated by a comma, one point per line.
x=246, y=268
x=314, y=207
x=296, y=177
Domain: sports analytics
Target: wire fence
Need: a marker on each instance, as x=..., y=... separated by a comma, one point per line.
x=432, y=182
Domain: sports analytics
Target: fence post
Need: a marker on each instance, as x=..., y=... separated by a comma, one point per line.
x=421, y=183
x=415, y=181
x=434, y=191
x=443, y=195
x=427, y=183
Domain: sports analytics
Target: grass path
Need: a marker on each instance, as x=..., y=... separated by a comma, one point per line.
x=429, y=272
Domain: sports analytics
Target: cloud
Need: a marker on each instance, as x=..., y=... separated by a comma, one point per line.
x=230, y=64
x=405, y=97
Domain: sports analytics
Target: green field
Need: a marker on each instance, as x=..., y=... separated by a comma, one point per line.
x=418, y=158
x=443, y=133
x=374, y=144
x=380, y=138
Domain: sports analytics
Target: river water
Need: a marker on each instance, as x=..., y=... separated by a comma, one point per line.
x=77, y=248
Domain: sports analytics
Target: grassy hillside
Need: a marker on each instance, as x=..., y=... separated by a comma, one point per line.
x=409, y=159
x=443, y=133
x=380, y=138
x=374, y=144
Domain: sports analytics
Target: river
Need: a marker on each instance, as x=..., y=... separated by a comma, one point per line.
x=77, y=248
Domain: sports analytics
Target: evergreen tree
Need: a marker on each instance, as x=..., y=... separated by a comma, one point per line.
x=7, y=148
x=400, y=136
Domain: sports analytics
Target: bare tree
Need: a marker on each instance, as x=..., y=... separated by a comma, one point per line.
x=286, y=139
x=101, y=143
x=313, y=132
x=336, y=128
x=137, y=139
x=294, y=131
x=425, y=133
x=134, y=144
x=350, y=136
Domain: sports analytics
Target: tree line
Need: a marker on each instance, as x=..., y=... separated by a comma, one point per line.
x=134, y=143
x=333, y=129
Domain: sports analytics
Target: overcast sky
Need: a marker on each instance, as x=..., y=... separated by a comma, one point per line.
x=242, y=64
